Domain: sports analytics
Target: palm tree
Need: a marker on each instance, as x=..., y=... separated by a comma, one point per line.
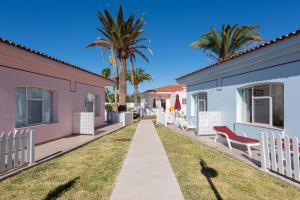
x=230, y=40
x=121, y=35
x=108, y=46
x=136, y=50
x=106, y=73
x=136, y=77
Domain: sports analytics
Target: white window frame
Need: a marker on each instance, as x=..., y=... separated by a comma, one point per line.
x=261, y=97
x=95, y=102
x=196, y=101
x=27, y=99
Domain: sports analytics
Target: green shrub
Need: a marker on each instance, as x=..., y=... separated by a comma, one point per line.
x=108, y=108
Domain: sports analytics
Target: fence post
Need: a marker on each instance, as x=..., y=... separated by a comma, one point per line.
x=2, y=151
x=263, y=155
x=295, y=144
x=280, y=154
x=31, y=147
x=288, y=163
x=9, y=150
x=166, y=119
x=123, y=116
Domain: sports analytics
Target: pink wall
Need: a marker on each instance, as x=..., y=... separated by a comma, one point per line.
x=69, y=85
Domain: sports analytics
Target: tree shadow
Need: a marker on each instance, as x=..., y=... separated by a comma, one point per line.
x=210, y=173
x=61, y=189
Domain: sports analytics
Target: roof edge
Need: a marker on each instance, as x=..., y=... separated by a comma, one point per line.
x=52, y=58
x=240, y=54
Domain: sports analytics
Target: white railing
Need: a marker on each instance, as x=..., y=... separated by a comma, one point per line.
x=161, y=118
x=127, y=118
x=280, y=154
x=149, y=111
x=123, y=117
x=206, y=121
x=84, y=123
x=16, y=149
x=113, y=117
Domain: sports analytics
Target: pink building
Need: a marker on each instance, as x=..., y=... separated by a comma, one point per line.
x=42, y=92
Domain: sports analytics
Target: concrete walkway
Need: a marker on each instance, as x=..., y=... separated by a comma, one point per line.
x=54, y=147
x=146, y=173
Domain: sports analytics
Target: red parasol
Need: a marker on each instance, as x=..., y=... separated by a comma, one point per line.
x=177, y=105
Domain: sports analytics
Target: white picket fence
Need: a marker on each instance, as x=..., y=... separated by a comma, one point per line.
x=280, y=154
x=16, y=149
x=206, y=122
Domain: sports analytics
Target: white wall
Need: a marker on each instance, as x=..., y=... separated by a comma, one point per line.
x=277, y=63
x=147, y=101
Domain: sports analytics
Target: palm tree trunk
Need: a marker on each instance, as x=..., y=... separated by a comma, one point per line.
x=115, y=68
x=122, y=82
x=132, y=72
x=107, y=95
x=115, y=105
x=136, y=94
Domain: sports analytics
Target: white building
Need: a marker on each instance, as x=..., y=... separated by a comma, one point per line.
x=254, y=91
x=163, y=98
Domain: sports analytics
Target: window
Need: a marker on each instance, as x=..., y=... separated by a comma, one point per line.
x=264, y=104
x=183, y=101
x=200, y=102
x=33, y=106
x=91, y=104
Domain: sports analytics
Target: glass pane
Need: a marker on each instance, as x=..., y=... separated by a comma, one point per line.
x=34, y=93
x=278, y=105
x=47, y=115
x=97, y=109
x=163, y=103
x=247, y=105
x=202, y=105
x=262, y=110
x=194, y=104
x=262, y=90
x=35, y=111
x=89, y=107
x=89, y=103
x=202, y=95
x=20, y=106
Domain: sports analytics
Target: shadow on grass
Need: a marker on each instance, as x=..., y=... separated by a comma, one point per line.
x=61, y=189
x=210, y=173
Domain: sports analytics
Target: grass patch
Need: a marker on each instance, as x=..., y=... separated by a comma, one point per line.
x=86, y=173
x=204, y=173
x=148, y=117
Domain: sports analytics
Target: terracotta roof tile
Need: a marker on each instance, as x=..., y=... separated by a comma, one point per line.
x=168, y=88
x=237, y=55
x=50, y=57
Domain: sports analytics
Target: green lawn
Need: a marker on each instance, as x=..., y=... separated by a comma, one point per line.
x=86, y=173
x=204, y=173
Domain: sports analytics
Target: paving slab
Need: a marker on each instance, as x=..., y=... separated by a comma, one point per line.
x=146, y=173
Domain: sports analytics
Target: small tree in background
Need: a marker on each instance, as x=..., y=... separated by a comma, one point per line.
x=136, y=77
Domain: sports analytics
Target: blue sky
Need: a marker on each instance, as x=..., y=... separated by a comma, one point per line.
x=62, y=28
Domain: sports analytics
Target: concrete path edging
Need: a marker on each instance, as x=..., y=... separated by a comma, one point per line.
x=146, y=173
